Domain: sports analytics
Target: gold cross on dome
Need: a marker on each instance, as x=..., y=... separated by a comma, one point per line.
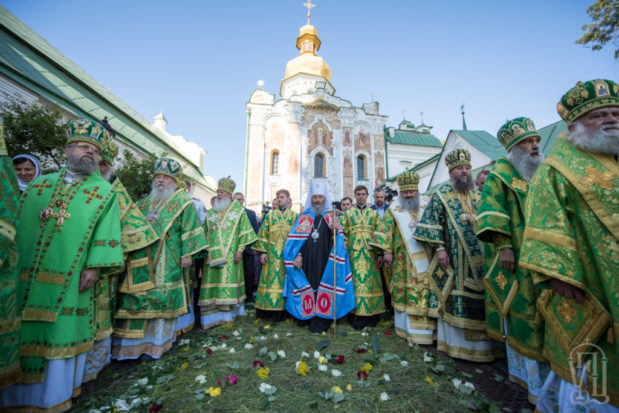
x=309, y=6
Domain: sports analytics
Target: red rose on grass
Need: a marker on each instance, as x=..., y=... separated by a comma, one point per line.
x=155, y=408
x=219, y=383
x=258, y=363
x=209, y=351
x=362, y=375
x=388, y=332
x=231, y=379
x=340, y=359
x=360, y=350
x=222, y=338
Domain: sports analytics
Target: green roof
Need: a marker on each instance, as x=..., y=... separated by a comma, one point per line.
x=411, y=138
x=32, y=62
x=483, y=142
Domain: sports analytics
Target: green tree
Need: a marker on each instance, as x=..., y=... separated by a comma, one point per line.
x=605, y=26
x=136, y=175
x=39, y=130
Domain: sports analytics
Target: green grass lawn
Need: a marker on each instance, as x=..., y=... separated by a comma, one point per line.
x=400, y=378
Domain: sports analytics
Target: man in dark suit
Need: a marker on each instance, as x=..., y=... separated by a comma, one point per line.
x=249, y=267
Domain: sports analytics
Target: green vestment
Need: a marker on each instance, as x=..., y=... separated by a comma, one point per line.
x=500, y=224
x=227, y=232
x=79, y=229
x=136, y=233
x=271, y=240
x=410, y=291
x=571, y=235
x=359, y=226
x=448, y=222
x=154, y=285
x=9, y=274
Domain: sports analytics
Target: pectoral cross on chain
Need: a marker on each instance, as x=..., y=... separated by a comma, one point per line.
x=60, y=216
x=92, y=194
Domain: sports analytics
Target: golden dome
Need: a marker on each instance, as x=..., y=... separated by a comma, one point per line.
x=310, y=64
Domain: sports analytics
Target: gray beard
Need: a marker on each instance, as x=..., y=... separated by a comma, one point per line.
x=409, y=204
x=79, y=165
x=161, y=195
x=462, y=186
x=601, y=141
x=525, y=164
x=221, y=204
x=318, y=209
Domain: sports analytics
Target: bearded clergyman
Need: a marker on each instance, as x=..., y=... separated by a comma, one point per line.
x=571, y=245
x=408, y=260
x=153, y=292
x=448, y=226
x=136, y=233
x=271, y=240
x=228, y=230
x=69, y=228
x=319, y=284
x=511, y=314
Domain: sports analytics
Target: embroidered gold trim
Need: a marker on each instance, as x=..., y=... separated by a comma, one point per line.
x=47, y=278
x=550, y=237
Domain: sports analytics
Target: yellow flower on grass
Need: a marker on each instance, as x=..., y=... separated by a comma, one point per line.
x=336, y=389
x=322, y=360
x=430, y=381
x=267, y=326
x=263, y=372
x=185, y=348
x=213, y=391
x=302, y=368
x=348, y=387
x=252, y=339
x=184, y=366
x=367, y=368
x=230, y=324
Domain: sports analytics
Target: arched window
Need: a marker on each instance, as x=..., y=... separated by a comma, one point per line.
x=361, y=168
x=319, y=166
x=275, y=162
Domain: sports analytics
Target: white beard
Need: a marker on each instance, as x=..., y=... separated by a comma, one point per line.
x=525, y=164
x=161, y=195
x=318, y=209
x=80, y=165
x=601, y=141
x=221, y=204
x=409, y=205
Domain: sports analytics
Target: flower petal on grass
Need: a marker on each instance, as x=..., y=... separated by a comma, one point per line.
x=336, y=389
x=384, y=397
x=263, y=372
x=231, y=379
x=336, y=373
x=322, y=367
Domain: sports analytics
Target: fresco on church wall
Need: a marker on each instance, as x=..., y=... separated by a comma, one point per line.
x=275, y=135
x=349, y=185
x=379, y=142
x=320, y=136
x=330, y=116
x=348, y=169
x=347, y=140
x=362, y=142
x=379, y=168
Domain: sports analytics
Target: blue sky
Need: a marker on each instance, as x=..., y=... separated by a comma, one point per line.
x=199, y=61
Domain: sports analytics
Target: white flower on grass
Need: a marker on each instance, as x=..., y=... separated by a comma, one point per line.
x=232, y=350
x=261, y=338
x=235, y=333
x=281, y=353
x=386, y=377
x=105, y=408
x=316, y=354
x=142, y=382
x=149, y=387
x=404, y=363
x=384, y=397
x=275, y=336
x=323, y=367
x=305, y=354
x=224, y=345
x=456, y=383
x=136, y=402
x=249, y=346
x=264, y=387
x=427, y=357
x=121, y=405
x=184, y=341
x=288, y=334
x=336, y=373
x=201, y=379
x=469, y=385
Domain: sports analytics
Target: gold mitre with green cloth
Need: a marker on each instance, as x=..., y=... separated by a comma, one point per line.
x=408, y=180
x=169, y=167
x=109, y=149
x=226, y=184
x=84, y=130
x=457, y=157
x=516, y=130
x=584, y=97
